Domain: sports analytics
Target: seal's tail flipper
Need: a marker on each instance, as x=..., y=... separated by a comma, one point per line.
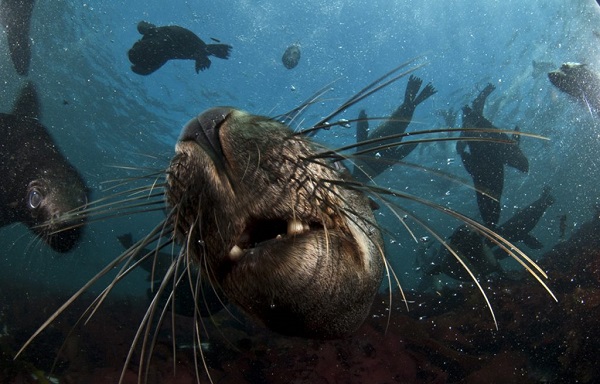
x=412, y=88
x=479, y=101
x=426, y=93
x=28, y=103
x=221, y=51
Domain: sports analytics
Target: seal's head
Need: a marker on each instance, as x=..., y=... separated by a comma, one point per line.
x=50, y=204
x=273, y=225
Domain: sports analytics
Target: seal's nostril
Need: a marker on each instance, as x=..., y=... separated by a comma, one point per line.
x=204, y=129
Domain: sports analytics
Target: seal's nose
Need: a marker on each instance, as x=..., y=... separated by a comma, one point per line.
x=204, y=129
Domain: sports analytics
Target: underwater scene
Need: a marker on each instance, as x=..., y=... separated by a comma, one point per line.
x=299, y=191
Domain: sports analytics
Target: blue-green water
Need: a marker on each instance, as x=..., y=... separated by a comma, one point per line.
x=103, y=115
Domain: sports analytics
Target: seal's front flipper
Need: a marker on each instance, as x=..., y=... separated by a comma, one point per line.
x=532, y=242
x=28, y=103
x=221, y=51
x=516, y=158
x=16, y=16
x=202, y=63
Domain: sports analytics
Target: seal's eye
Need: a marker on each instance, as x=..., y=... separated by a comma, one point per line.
x=34, y=199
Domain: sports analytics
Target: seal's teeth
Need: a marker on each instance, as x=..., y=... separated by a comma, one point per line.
x=295, y=227
x=236, y=252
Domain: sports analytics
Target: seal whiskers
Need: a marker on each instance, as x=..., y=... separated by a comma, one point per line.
x=275, y=223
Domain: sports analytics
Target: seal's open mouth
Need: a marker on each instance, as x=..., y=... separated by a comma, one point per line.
x=258, y=233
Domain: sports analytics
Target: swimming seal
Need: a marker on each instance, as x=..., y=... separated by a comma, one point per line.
x=16, y=17
x=279, y=237
x=39, y=186
x=470, y=246
x=485, y=160
x=477, y=252
x=519, y=226
x=368, y=165
x=161, y=44
x=578, y=81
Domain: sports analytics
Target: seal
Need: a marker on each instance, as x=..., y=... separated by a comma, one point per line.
x=16, y=18
x=39, y=186
x=161, y=44
x=476, y=251
x=579, y=82
x=485, y=160
x=468, y=245
x=518, y=227
x=368, y=165
x=293, y=249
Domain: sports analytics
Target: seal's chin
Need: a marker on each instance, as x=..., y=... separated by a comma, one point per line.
x=63, y=241
x=276, y=231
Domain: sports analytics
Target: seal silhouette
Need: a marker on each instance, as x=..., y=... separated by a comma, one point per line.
x=161, y=44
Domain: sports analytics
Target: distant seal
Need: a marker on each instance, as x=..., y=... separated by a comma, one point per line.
x=471, y=248
x=39, y=186
x=161, y=44
x=578, y=81
x=16, y=18
x=519, y=226
x=368, y=165
x=291, y=56
x=485, y=160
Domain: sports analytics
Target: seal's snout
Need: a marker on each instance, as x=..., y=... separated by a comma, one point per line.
x=204, y=129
